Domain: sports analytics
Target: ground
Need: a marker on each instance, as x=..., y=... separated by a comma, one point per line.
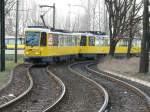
x=4, y=76
x=128, y=67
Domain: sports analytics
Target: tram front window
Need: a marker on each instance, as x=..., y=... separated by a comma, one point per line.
x=32, y=38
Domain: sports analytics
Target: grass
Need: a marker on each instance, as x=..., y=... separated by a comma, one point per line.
x=4, y=76
x=125, y=66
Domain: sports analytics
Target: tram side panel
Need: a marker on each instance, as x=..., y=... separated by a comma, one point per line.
x=95, y=46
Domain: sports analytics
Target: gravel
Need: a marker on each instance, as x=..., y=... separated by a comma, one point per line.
x=19, y=83
x=44, y=93
x=81, y=96
x=140, y=86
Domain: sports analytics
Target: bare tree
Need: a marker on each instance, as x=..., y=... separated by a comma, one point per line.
x=9, y=4
x=119, y=21
x=94, y=13
x=9, y=13
x=134, y=21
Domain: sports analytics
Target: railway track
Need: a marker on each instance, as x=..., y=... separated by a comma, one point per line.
x=45, y=91
x=17, y=86
x=82, y=95
x=123, y=96
x=83, y=89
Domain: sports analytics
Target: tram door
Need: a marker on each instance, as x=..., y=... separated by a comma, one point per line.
x=83, y=41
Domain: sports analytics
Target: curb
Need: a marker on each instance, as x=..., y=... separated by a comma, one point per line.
x=145, y=83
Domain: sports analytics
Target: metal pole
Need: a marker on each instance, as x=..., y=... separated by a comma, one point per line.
x=2, y=35
x=69, y=18
x=144, y=59
x=54, y=14
x=99, y=15
x=105, y=23
x=16, y=35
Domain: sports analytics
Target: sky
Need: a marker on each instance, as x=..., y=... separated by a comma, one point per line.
x=66, y=12
x=59, y=3
x=64, y=7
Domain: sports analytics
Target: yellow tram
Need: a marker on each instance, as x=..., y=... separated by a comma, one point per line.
x=43, y=45
x=10, y=43
x=100, y=44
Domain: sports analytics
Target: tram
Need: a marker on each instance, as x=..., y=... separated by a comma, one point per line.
x=10, y=43
x=44, y=45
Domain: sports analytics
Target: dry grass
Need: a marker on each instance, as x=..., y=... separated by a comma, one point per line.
x=129, y=67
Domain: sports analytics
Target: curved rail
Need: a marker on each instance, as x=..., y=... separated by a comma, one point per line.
x=123, y=83
x=63, y=91
x=24, y=93
x=106, y=97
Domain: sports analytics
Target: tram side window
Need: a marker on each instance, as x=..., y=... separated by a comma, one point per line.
x=76, y=41
x=43, y=39
x=61, y=40
x=91, y=41
x=20, y=41
x=55, y=40
x=68, y=40
x=98, y=41
x=72, y=41
x=11, y=41
x=123, y=42
x=136, y=42
x=50, y=40
x=106, y=42
x=83, y=41
x=65, y=40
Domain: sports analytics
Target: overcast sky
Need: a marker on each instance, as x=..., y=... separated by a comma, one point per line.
x=63, y=5
x=59, y=3
x=65, y=9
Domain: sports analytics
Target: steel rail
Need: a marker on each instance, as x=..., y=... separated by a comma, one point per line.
x=106, y=96
x=24, y=93
x=123, y=83
x=63, y=90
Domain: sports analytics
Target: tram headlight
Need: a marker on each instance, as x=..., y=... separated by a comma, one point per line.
x=26, y=52
x=37, y=52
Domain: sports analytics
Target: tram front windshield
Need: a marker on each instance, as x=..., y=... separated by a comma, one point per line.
x=32, y=38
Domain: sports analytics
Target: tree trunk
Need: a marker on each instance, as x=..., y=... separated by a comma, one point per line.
x=112, y=47
x=144, y=58
x=129, y=44
x=129, y=47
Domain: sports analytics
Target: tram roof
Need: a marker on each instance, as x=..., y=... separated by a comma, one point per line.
x=49, y=31
x=38, y=29
x=63, y=33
